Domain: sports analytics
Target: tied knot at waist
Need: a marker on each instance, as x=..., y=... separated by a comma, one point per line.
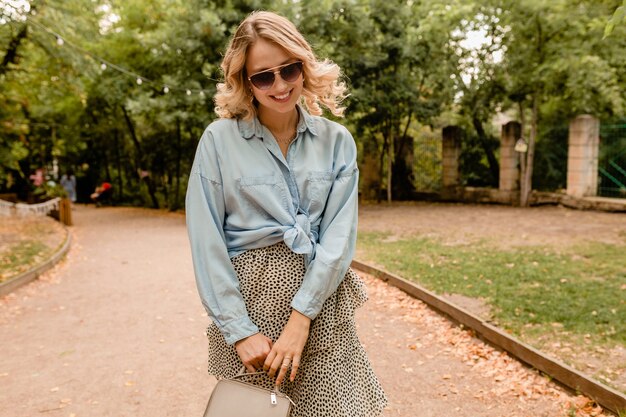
x=300, y=238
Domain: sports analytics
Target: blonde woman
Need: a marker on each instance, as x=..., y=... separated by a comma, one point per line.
x=272, y=218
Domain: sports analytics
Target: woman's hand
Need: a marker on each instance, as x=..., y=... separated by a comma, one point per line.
x=288, y=348
x=253, y=350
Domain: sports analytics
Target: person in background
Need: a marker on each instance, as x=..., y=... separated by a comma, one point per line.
x=272, y=217
x=102, y=193
x=38, y=177
x=68, y=182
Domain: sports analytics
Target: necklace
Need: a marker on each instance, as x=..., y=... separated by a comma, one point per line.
x=286, y=139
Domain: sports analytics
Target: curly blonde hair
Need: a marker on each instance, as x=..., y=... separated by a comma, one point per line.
x=321, y=77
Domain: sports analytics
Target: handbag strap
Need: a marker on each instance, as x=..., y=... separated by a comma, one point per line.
x=244, y=373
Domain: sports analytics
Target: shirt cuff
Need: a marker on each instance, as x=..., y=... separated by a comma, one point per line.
x=237, y=330
x=307, y=304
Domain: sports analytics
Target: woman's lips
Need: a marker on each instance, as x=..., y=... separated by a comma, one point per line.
x=282, y=98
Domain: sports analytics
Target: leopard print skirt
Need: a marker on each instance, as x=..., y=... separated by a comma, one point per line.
x=335, y=378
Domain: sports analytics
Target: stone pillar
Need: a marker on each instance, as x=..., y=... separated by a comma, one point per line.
x=582, y=156
x=451, y=151
x=509, y=159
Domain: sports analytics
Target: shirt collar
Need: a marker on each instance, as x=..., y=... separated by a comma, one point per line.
x=253, y=128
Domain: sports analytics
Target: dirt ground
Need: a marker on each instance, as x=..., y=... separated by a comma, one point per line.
x=117, y=329
x=508, y=226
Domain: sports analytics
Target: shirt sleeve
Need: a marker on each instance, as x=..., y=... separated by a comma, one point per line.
x=216, y=279
x=337, y=235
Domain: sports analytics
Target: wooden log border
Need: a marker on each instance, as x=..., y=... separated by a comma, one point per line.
x=33, y=273
x=606, y=396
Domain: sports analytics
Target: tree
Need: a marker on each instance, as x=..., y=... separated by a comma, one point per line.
x=555, y=55
x=397, y=57
x=480, y=82
x=39, y=93
x=120, y=89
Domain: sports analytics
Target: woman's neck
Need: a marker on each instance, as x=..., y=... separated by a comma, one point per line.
x=278, y=123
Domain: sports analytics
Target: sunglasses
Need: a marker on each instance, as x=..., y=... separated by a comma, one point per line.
x=264, y=80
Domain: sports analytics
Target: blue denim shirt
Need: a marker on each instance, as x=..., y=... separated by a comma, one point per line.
x=244, y=194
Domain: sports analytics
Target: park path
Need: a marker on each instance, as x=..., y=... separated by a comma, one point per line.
x=117, y=329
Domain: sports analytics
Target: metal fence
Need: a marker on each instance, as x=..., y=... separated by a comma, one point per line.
x=612, y=161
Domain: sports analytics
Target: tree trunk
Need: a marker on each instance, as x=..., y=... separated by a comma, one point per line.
x=131, y=129
x=526, y=186
x=179, y=145
x=390, y=152
x=382, y=168
x=494, y=166
x=139, y=158
x=403, y=187
x=389, y=174
x=11, y=55
x=522, y=156
x=118, y=163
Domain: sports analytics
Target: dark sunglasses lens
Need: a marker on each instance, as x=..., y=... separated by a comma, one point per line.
x=291, y=72
x=263, y=80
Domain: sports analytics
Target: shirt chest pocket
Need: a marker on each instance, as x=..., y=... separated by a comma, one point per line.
x=262, y=195
x=315, y=190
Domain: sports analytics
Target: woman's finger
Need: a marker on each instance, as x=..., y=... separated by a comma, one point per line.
x=269, y=359
x=275, y=367
x=284, y=367
x=253, y=350
x=249, y=367
x=294, y=368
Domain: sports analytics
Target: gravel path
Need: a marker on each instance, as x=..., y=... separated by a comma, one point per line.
x=117, y=329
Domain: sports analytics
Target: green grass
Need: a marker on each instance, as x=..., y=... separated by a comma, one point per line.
x=578, y=289
x=19, y=257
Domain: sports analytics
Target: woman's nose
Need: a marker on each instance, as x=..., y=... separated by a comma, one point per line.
x=279, y=83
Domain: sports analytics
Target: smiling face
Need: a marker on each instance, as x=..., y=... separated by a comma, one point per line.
x=282, y=97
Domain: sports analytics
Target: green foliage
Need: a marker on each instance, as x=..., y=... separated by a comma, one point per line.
x=49, y=190
x=619, y=16
x=405, y=62
x=397, y=58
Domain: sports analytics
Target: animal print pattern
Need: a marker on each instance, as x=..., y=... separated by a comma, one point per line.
x=335, y=378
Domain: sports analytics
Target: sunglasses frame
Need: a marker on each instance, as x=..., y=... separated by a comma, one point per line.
x=277, y=70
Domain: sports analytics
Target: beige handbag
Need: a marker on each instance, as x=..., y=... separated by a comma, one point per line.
x=233, y=398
